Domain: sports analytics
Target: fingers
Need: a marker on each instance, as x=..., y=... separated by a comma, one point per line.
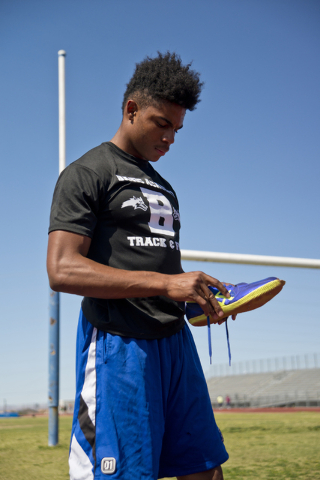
x=212, y=299
x=226, y=318
x=209, y=306
x=223, y=320
x=194, y=287
x=219, y=285
x=207, y=300
x=215, y=310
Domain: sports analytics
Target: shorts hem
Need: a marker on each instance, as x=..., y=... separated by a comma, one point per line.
x=189, y=470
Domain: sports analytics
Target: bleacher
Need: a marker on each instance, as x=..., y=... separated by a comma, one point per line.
x=279, y=388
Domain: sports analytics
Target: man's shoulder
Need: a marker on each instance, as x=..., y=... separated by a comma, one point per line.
x=165, y=184
x=95, y=159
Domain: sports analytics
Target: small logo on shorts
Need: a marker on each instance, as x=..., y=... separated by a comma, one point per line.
x=108, y=465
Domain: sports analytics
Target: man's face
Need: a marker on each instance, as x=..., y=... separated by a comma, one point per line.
x=153, y=128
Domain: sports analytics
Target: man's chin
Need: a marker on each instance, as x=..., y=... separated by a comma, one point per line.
x=154, y=157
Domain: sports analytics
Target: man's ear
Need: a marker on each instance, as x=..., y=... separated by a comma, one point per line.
x=131, y=110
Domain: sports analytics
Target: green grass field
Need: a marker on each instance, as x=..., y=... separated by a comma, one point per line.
x=280, y=446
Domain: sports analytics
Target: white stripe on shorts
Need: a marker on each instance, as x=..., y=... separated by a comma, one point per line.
x=79, y=463
x=90, y=380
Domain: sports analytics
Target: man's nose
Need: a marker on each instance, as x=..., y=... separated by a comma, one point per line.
x=168, y=137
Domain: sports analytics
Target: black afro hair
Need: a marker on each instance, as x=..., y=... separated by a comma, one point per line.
x=164, y=78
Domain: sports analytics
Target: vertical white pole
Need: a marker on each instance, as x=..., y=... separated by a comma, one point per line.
x=54, y=303
x=62, y=109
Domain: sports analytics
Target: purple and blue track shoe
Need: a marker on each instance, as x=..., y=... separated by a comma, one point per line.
x=243, y=298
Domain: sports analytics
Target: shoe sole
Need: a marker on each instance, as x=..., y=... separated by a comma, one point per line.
x=253, y=300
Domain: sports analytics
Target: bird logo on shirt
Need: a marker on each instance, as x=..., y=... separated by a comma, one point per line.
x=135, y=203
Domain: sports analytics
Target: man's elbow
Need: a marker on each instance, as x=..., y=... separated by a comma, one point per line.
x=55, y=281
x=57, y=276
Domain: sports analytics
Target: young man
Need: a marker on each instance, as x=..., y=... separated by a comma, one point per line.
x=142, y=408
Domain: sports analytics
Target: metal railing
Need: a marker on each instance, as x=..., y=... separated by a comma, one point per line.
x=265, y=365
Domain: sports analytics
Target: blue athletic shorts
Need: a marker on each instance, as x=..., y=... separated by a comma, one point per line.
x=142, y=408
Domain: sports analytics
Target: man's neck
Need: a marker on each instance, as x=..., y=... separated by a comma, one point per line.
x=121, y=140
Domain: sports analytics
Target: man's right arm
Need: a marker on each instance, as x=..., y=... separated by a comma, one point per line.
x=70, y=271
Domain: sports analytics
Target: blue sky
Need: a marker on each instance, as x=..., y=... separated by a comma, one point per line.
x=245, y=166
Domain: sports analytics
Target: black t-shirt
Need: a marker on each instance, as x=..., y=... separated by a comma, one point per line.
x=132, y=216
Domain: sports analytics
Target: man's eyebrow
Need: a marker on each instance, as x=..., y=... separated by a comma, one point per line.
x=168, y=121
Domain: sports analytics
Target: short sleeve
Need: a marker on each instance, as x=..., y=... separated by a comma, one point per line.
x=75, y=203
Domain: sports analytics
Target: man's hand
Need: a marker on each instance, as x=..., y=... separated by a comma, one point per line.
x=232, y=316
x=193, y=286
